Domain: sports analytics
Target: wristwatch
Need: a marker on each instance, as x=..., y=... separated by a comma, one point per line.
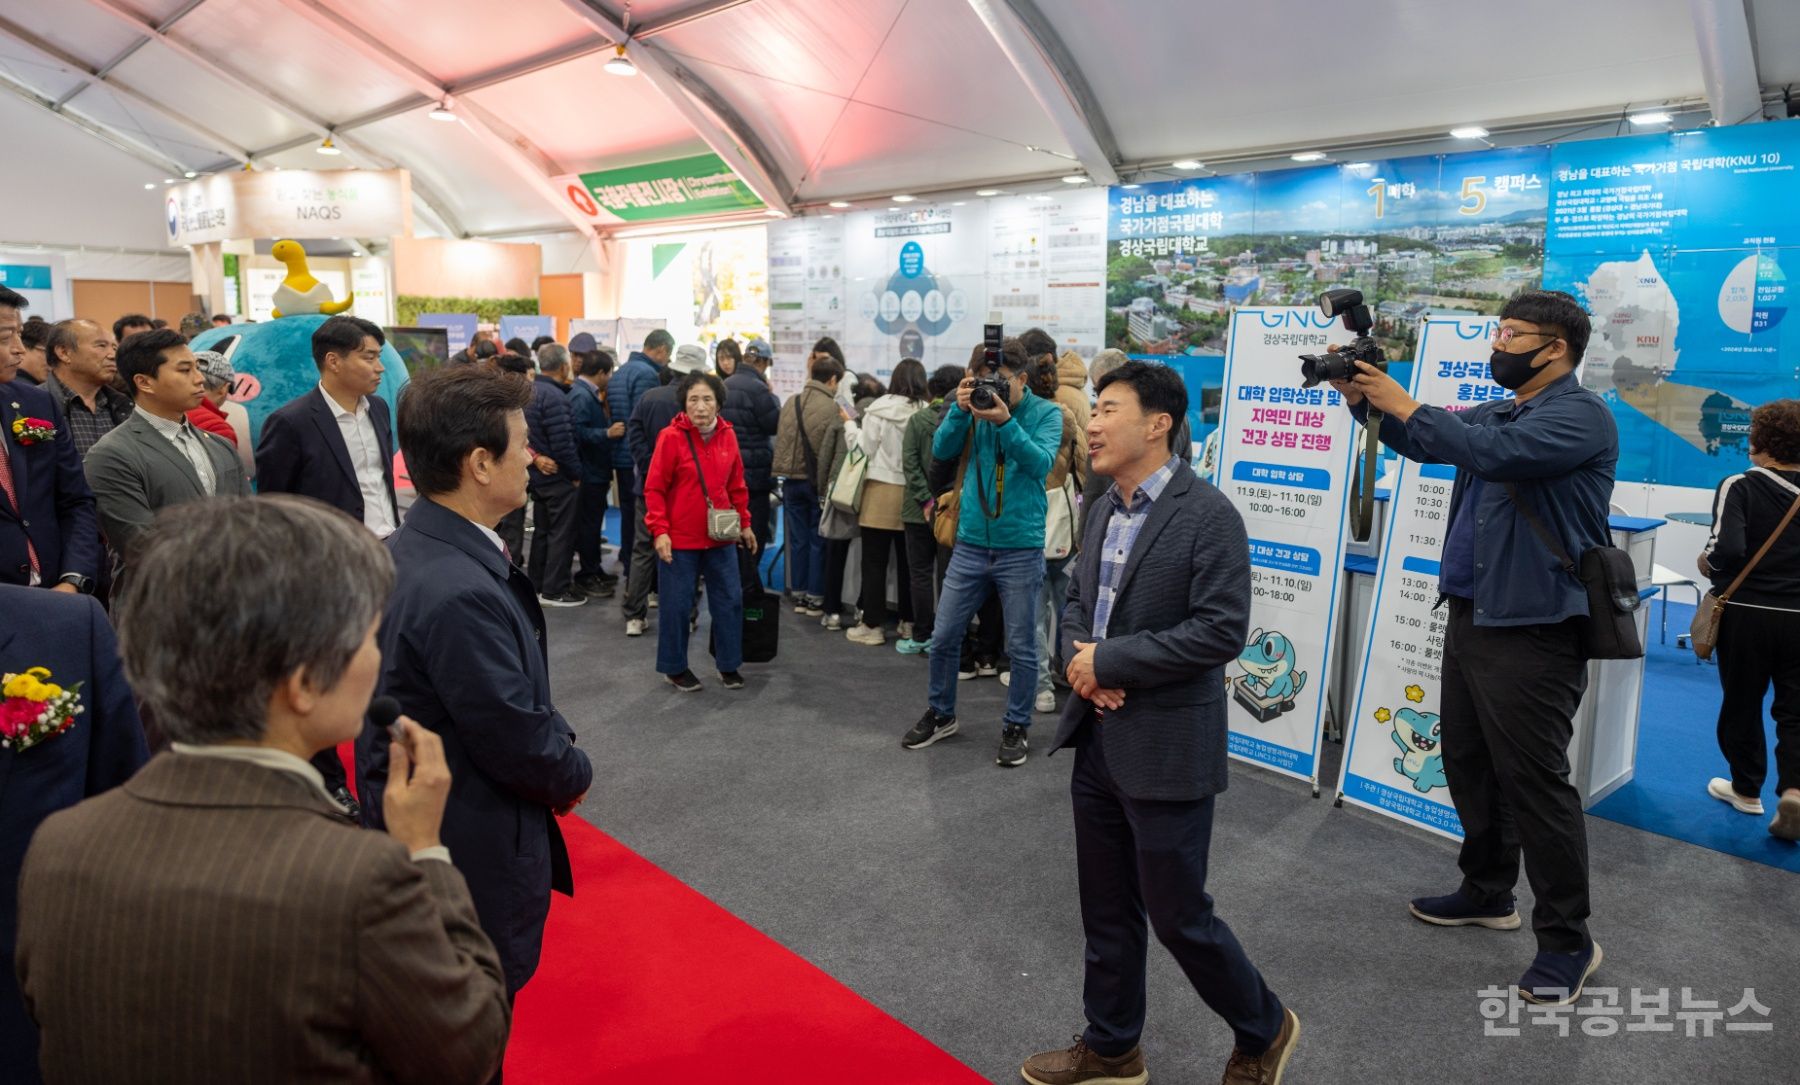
x=83, y=584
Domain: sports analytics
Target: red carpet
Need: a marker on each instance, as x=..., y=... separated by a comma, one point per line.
x=645, y=980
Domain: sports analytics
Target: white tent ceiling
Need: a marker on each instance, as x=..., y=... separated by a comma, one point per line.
x=820, y=100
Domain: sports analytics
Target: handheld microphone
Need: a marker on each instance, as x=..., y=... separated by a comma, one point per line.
x=385, y=712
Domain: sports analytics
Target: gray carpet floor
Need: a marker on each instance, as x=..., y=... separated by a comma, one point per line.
x=942, y=888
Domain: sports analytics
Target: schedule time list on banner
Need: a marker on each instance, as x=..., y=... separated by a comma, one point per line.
x=1394, y=763
x=1284, y=463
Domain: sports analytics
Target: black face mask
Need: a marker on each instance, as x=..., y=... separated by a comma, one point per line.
x=1514, y=371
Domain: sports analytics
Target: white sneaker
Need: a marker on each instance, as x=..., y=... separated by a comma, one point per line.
x=1786, y=825
x=866, y=634
x=1046, y=702
x=832, y=621
x=904, y=630
x=652, y=600
x=987, y=670
x=634, y=627
x=1006, y=679
x=1720, y=788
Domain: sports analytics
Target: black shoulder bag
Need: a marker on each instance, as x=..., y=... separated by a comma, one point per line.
x=1610, y=630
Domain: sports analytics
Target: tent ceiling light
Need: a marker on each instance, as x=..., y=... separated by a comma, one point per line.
x=904, y=198
x=149, y=184
x=987, y=192
x=1133, y=184
x=1654, y=117
x=442, y=112
x=1472, y=131
x=840, y=204
x=620, y=64
x=1308, y=156
x=1359, y=166
x=328, y=147
x=168, y=180
x=1074, y=179
x=190, y=175
x=1187, y=164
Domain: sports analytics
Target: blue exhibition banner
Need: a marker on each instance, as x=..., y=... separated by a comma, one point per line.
x=1284, y=456
x=459, y=327
x=1394, y=759
x=1676, y=244
x=528, y=328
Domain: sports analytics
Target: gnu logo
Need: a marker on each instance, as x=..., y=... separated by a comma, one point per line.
x=1287, y=318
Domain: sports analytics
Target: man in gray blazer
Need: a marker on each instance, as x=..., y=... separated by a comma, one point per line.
x=1159, y=603
x=156, y=457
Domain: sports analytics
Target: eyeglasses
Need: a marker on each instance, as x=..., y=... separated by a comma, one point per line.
x=1507, y=335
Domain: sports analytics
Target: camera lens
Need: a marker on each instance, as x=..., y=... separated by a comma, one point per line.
x=982, y=396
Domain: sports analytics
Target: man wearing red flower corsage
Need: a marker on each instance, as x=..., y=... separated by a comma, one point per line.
x=49, y=528
x=59, y=663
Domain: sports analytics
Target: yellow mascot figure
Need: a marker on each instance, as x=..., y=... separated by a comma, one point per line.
x=300, y=293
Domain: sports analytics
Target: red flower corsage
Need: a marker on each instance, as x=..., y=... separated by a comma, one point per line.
x=31, y=431
x=35, y=708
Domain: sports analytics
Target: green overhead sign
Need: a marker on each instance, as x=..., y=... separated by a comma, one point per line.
x=701, y=185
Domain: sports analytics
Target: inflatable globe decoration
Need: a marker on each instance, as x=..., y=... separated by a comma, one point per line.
x=274, y=364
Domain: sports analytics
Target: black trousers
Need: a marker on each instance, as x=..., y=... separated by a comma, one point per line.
x=877, y=545
x=1138, y=858
x=553, y=535
x=1508, y=706
x=590, y=524
x=760, y=521
x=925, y=565
x=837, y=557
x=641, y=565
x=629, y=527
x=985, y=642
x=1756, y=649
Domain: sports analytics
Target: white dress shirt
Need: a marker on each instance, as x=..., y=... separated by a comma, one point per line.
x=365, y=456
x=188, y=441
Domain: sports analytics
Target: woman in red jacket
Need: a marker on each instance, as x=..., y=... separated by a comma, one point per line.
x=695, y=476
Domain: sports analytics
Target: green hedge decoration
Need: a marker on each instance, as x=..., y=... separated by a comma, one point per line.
x=408, y=307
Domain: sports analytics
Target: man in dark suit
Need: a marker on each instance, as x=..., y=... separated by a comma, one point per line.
x=156, y=458
x=1159, y=603
x=464, y=651
x=335, y=444
x=49, y=531
x=595, y=434
x=70, y=638
x=548, y=421
x=755, y=414
x=221, y=883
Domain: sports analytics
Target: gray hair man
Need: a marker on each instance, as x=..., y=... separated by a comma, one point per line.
x=227, y=848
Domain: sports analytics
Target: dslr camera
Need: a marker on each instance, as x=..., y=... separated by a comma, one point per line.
x=990, y=390
x=1340, y=364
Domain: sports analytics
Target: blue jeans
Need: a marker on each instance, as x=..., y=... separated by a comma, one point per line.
x=1056, y=592
x=1018, y=576
x=724, y=600
x=806, y=547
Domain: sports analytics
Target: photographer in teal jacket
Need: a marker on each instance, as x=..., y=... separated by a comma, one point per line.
x=999, y=541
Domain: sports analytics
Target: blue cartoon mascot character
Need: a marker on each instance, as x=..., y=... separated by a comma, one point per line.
x=1419, y=736
x=1270, y=680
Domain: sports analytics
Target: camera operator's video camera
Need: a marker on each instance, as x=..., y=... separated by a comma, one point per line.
x=990, y=390
x=1340, y=364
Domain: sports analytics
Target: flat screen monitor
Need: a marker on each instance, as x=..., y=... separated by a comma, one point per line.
x=420, y=348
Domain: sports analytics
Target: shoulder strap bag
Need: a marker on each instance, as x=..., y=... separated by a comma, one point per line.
x=1610, y=630
x=722, y=525
x=1705, y=627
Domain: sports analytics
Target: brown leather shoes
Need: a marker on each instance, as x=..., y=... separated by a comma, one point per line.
x=1265, y=1069
x=1078, y=1065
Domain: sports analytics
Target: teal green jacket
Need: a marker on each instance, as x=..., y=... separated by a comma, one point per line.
x=1026, y=445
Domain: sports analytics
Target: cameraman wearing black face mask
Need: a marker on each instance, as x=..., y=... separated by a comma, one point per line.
x=1513, y=670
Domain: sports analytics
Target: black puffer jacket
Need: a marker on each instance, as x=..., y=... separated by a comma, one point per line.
x=755, y=413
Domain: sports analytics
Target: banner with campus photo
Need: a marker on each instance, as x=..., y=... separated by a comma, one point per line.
x=1284, y=461
x=1451, y=235
x=1394, y=754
